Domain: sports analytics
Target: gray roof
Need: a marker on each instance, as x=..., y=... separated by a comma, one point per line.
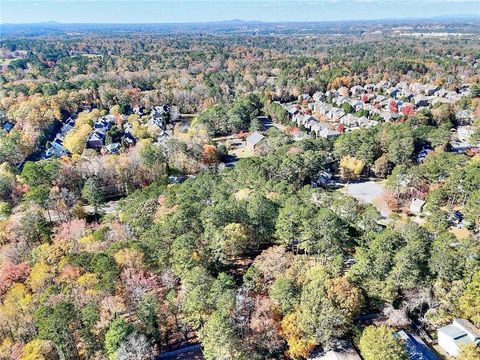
x=255, y=138
x=452, y=331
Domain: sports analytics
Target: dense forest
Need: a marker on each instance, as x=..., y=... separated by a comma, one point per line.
x=255, y=261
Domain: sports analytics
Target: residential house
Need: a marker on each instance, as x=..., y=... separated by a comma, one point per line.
x=384, y=84
x=441, y=92
x=363, y=121
x=416, y=88
x=318, y=96
x=415, y=347
x=113, y=148
x=324, y=178
x=369, y=87
x=357, y=90
x=460, y=332
x=67, y=126
x=8, y=126
x=294, y=110
x=310, y=122
x=254, y=139
x=464, y=117
x=336, y=114
x=430, y=90
x=328, y=133
x=388, y=116
x=393, y=92
x=343, y=91
x=346, y=353
x=407, y=95
x=331, y=94
x=356, y=104
x=416, y=206
x=464, y=133
x=322, y=108
x=349, y=120
x=421, y=101
x=440, y=100
x=95, y=140
x=317, y=128
x=423, y=154
x=304, y=97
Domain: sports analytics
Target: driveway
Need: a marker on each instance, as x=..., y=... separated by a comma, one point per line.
x=369, y=192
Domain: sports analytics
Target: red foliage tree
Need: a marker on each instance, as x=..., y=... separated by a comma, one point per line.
x=11, y=273
x=408, y=110
x=393, y=107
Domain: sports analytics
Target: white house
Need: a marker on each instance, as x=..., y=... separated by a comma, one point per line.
x=464, y=133
x=253, y=140
x=416, y=206
x=459, y=332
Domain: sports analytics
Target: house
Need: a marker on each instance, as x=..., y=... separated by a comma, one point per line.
x=384, y=84
x=346, y=353
x=179, y=179
x=430, y=90
x=95, y=140
x=67, y=126
x=421, y=101
x=415, y=347
x=349, y=120
x=57, y=144
x=293, y=111
x=388, y=116
x=356, y=104
x=464, y=133
x=464, y=117
x=54, y=152
x=8, y=126
x=369, y=87
x=416, y=206
x=328, y=133
x=343, y=91
x=357, y=90
x=336, y=114
x=304, y=97
x=318, y=96
x=317, y=127
x=423, y=154
x=323, y=179
x=459, y=332
x=416, y=87
x=113, y=148
x=323, y=108
x=254, y=139
x=393, y=92
x=310, y=122
x=407, y=95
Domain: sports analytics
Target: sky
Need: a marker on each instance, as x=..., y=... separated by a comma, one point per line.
x=174, y=11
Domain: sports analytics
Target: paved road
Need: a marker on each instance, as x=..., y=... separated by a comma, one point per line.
x=193, y=352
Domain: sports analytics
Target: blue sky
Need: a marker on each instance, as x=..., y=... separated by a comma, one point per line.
x=164, y=11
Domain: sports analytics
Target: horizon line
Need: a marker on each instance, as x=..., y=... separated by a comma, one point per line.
x=435, y=17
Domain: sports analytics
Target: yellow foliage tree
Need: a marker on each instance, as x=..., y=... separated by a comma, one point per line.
x=76, y=138
x=16, y=309
x=351, y=168
x=129, y=258
x=39, y=276
x=299, y=345
x=469, y=352
x=37, y=350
